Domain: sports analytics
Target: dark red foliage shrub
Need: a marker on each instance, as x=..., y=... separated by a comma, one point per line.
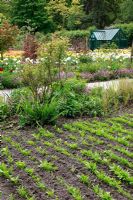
x=30, y=47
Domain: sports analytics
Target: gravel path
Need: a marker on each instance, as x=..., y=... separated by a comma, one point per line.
x=105, y=84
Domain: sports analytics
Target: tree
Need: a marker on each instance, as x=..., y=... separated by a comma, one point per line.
x=101, y=12
x=7, y=36
x=66, y=14
x=5, y=7
x=75, y=16
x=127, y=11
x=31, y=13
x=58, y=10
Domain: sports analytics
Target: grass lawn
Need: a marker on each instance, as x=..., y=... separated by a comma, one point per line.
x=80, y=159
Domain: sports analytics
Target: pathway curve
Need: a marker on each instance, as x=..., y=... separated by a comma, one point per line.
x=105, y=84
x=108, y=84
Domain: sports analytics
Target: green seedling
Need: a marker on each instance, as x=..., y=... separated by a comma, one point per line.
x=25, y=152
x=62, y=150
x=23, y=192
x=90, y=166
x=5, y=171
x=41, y=186
x=93, y=155
x=72, y=137
x=41, y=150
x=84, y=179
x=50, y=192
x=58, y=141
x=21, y=164
x=73, y=146
x=48, y=166
x=29, y=171
x=75, y=192
x=101, y=193
x=122, y=174
x=45, y=133
x=58, y=130
x=31, y=143
x=121, y=160
x=49, y=144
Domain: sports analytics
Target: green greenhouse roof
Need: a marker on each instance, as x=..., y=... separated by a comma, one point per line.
x=106, y=34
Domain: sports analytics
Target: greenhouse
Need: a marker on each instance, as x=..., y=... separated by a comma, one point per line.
x=104, y=37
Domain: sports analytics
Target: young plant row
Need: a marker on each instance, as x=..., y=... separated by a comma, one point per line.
x=100, y=174
x=7, y=172
x=44, y=164
x=100, y=132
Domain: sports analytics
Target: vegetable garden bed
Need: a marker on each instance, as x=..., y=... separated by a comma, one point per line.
x=82, y=159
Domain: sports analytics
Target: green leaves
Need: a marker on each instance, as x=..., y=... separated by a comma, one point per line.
x=48, y=166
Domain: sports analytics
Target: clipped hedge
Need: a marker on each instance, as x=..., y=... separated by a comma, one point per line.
x=74, y=34
x=127, y=29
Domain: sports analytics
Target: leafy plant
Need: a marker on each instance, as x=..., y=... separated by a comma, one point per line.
x=75, y=192
x=48, y=166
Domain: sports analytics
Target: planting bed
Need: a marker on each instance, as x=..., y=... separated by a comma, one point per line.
x=81, y=160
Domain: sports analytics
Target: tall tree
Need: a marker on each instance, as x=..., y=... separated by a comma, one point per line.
x=66, y=13
x=126, y=14
x=101, y=12
x=75, y=16
x=5, y=7
x=31, y=13
x=58, y=11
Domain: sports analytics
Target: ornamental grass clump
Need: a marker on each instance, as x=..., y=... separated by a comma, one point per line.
x=118, y=95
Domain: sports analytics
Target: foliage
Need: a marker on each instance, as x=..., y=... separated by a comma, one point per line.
x=7, y=36
x=127, y=29
x=115, y=96
x=32, y=14
x=32, y=113
x=9, y=80
x=30, y=47
x=73, y=34
x=5, y=8
x=101, y=13
x=4, y=111
x=43, y=75
x=126, y=11
x=111, y=45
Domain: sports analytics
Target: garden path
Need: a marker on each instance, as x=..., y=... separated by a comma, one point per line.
x=105, y=84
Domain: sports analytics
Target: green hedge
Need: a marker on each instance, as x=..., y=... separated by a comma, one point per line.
x=127, y=29
x=76, y=33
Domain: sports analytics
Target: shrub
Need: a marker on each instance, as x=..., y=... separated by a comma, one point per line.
x=68, y=95
x=103, y=75
x=32, y=113
x=30, y=47
x=118, y=95
x=4, y=111
x=108, y=45
x=92, y=104
x=124, y=73
x=42, y=76
x=85, y=59
x=127, y=29
x=9, y=80
x=7, y=36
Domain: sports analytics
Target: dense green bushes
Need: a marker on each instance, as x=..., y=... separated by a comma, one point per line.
x=127, y=29
x=69, y=100
x=9, y=80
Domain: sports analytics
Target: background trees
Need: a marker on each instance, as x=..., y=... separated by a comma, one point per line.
x=7, y=36
x=31, y=13
x=126, y=13
x=52, y=15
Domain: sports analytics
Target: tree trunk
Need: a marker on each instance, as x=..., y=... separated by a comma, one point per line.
x=2, y=57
